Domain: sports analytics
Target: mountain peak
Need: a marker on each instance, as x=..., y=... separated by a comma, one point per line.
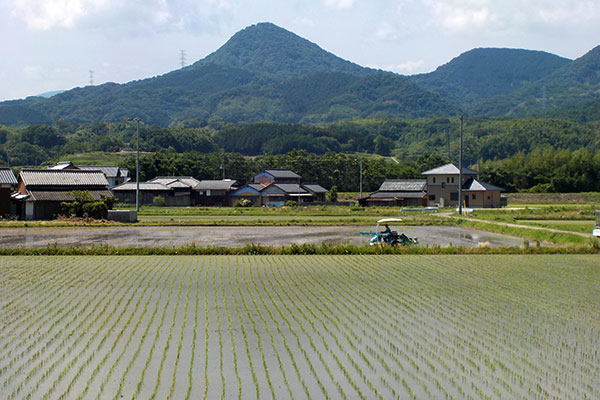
x=268, y=48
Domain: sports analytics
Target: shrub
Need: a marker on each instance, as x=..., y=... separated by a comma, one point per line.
x=291, y=203
x=332, y=195
x=159, y=201
x=243, y=203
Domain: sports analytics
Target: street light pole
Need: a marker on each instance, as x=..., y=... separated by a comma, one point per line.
x=460, y=169
x=137, y=163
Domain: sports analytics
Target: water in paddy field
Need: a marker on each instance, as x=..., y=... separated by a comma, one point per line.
x=234, y=236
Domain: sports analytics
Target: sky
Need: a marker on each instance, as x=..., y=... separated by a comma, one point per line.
x=52, y=45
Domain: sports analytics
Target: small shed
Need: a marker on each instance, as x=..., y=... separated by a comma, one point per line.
x=399, y=193
x=8, y=183
x=215, y=192
x=479, y=194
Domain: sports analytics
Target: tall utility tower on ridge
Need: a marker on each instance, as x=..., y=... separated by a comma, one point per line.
x=91, y=77
x=182, y=58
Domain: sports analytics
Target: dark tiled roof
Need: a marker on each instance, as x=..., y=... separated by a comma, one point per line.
x=226, y=184
x=314, y=188
x=478, y=186
x=111, y=171
x=403, y=185
x=66, y=177
x=290, y=187
x=282, y=173
x=7, y=176
x=449, y=169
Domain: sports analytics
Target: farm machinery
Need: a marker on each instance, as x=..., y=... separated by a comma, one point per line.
x=389, y=237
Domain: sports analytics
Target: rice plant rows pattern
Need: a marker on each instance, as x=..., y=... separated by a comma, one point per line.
x=283, y=327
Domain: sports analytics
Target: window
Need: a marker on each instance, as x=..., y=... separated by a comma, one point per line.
x=447, y=179
x=432, y=197
x=433, y=179
x=474, y=196
x=452, y=179
x=489, y=198
x=454, y=196
x=443, y=185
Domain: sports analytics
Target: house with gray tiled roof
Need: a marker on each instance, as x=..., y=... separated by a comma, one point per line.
x=40, y=191
x=443, y=184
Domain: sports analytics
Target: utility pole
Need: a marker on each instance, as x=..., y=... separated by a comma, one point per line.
x=223, y=165
x=361, y=178
x=460, y=168
x=137, y=163
x=182, y=58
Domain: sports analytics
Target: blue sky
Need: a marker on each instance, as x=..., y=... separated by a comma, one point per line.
x=53, y=44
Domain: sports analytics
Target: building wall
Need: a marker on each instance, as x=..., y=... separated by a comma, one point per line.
x=442, y=187
x=483, y=199
x=4, y=201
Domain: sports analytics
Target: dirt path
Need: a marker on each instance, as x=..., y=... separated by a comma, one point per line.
x=537, y=228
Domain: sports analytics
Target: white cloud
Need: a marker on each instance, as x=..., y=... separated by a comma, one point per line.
x=408, y=67
x=44, y=15
x=460, y=16
x=339, y=4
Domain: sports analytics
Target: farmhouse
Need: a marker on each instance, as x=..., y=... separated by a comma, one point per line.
x=114, y=174
x=398, y=192
x=175, y=190
x=273, y=187
x=215, y=192
x=8, y=183
x=40, y=191
x=442, y=188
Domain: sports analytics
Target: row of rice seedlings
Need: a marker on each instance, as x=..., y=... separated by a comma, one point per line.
x=158, y=329
x=238, y=311
x=275, y=320
x=194, y=330
x=352, y=311
x=69, y=357
x=150, y=273
x=147, y=327
x=304, y=305
x=182, y=330
x=257, y=336
x=229, y=322
x=135, y=282
x=315, y=308
x=284, y=298
x=34, y=323
x=366, y=318
x=22, y=279
x=182, y=279
x=65, y=330
x=153, y=281
x=206, y=334
x=220, y=334
x=255, y=267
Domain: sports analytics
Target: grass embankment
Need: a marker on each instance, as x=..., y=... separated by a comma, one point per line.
x=591, y=247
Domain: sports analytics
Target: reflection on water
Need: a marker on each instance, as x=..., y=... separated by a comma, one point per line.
x=239, y=236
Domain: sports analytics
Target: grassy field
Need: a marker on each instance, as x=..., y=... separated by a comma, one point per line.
x=277, y=327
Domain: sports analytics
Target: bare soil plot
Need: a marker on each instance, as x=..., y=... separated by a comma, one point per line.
x=254, y=327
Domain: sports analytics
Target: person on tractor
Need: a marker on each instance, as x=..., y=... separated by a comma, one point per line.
x=387, y=231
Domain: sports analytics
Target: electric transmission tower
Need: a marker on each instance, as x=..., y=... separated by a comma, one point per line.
x=91, y=77
x=182, y=58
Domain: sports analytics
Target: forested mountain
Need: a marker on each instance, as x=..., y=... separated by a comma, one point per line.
x=571, y=88
x=484, y=73
x=263, y=73
x=267, y=74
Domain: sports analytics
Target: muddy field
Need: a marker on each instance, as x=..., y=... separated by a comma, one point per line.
x=240, y=236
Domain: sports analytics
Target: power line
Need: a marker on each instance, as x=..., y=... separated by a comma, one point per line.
x=182, y=58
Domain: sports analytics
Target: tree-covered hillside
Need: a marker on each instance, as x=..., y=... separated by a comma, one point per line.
x=484, y=73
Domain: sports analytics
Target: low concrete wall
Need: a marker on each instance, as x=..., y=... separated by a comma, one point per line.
x=122, y=215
